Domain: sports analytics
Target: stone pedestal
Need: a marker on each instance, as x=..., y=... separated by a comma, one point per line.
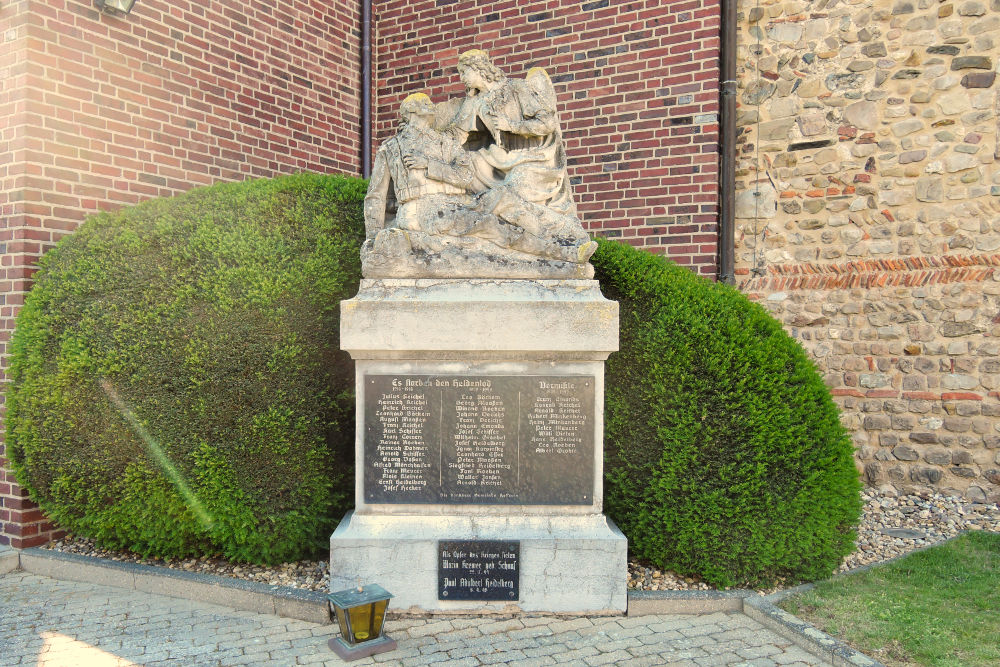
x=480, y=417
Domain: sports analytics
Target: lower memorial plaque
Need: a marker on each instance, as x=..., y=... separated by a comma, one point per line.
x=479, y=570
x=498, y=439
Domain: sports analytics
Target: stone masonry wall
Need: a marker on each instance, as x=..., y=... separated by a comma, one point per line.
x=97, y=111
x=868, y=220
x=638, y=92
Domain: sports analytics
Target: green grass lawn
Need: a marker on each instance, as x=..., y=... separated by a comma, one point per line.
x=940, y=606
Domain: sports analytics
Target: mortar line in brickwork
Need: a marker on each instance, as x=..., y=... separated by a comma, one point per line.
x=898, y=264
x=869, y=280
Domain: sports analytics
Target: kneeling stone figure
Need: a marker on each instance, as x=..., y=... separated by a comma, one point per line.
x=457, y=193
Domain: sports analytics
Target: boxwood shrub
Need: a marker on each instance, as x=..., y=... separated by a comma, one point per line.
x=725, y=456
x=177, y=387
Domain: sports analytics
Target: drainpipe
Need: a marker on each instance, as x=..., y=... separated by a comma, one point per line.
x=727, y=142
x=366, y=88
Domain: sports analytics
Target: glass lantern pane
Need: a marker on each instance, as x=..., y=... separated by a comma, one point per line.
x=379, y=617
x=361, y=622
x=345, y=629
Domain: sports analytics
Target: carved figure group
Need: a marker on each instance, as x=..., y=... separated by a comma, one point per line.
x=476, y=186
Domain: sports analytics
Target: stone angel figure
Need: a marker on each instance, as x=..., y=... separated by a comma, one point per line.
x=477, y=186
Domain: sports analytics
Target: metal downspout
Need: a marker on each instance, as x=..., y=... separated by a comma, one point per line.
x=366, y=88
x=727, y=142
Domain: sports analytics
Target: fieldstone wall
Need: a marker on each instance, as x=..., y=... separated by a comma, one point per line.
x=868, y=220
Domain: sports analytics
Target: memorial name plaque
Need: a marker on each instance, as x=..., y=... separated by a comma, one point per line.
x=498, y=439
x=479, y=570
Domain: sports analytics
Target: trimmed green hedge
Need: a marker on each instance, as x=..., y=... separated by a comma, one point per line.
x=178, y=389
x=176, y=382
x=725, y=456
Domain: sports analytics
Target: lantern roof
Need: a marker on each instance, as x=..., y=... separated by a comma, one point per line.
x=353, y=597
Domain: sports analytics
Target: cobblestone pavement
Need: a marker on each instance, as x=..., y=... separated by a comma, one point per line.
x=55, y=623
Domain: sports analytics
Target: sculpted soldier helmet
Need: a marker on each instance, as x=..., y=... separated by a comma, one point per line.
x=417, y=103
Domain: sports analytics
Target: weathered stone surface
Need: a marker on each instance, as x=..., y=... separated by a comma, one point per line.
x=958, y=162
x=912, y=156
x=888, y=183
x=961, y=457
x=925, y=475
x=959, y=381
x=929, y=189
x=971, y=62
x=745, y=116
x=874, y=380
x=785, y=32
x=440, y=205
x=985, y=25
x=976, y=494
x=837, y=82
x=874, y=50
x=972, y=8
x=760, y=201
x=955, y=329
x=979, y=79
x=863, y=115
x=787, y=106
x=812, y=124
x=809, y=88
x=954, y=103
x=945, y=82
x=776, y=129
x=758, y=91
x=905, y=127
x=938, y=457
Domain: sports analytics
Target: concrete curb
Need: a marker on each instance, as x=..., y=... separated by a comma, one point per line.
x=235, y=593
x=645, y=603
x=804, y=635
x=8, y=559
x=764, y=611
x=760, y=609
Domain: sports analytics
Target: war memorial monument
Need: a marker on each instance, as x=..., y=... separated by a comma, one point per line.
x=480, y=338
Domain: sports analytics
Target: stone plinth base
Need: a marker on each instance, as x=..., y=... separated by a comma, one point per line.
x=480, y=420
x=569, y=564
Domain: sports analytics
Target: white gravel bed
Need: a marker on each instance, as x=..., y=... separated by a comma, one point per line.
x=890, y=526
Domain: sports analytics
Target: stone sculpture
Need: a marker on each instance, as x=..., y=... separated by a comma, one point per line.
x=476, y=187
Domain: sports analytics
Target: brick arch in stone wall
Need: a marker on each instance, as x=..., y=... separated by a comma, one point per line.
x=868, y=220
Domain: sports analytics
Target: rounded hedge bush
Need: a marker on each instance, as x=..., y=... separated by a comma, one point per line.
x=176, y=385
x=177, y=389
x=725, y=456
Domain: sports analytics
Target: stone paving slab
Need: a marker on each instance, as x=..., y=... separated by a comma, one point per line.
x=227, y=591
x=8, y=559
x=49, y=622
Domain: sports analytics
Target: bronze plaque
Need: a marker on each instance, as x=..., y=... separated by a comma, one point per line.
x=478, y=439
x=479, y=570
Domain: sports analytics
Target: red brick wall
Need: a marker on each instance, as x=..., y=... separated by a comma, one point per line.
x=14, y=208
x=637, y=84
x=98, y=111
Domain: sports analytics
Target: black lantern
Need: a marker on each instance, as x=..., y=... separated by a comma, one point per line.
x=120, y=7
x=360, y=614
